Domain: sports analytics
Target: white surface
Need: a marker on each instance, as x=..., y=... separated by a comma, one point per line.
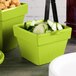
x=63, y=66
x=37, y=7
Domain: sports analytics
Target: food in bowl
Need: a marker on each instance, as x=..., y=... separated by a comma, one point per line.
x=6, y=4
x=41, y=27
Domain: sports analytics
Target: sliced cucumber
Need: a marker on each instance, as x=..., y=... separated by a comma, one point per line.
x=54, y=27
x=39, y=21
x=39, y=29
x=33, y=23
x=30, y=23
x=27, y=24
x=45, y=26
x=59, y=26
x=50, y=23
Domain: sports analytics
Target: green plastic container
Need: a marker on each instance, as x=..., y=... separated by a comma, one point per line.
x=41, y=49
x=8, y=18
x=1, y=57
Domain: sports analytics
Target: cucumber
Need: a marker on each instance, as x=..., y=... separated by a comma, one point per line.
x=54, y=27
x=44, y=24
x=39, y=29
x=59, y=26
x=39, y=21
x=27, y=24
x=33, y=23
x=50, y=23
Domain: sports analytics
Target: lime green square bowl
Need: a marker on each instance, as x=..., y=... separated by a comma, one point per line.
x=8, y=18
x=41, y=49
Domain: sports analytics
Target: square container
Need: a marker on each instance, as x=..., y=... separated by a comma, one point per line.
x=41, y=49
x=8, y=18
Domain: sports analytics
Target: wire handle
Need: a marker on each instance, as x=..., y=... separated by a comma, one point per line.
x=47, y=10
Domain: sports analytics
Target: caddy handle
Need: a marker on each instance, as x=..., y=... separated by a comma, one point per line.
x=47, y=10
